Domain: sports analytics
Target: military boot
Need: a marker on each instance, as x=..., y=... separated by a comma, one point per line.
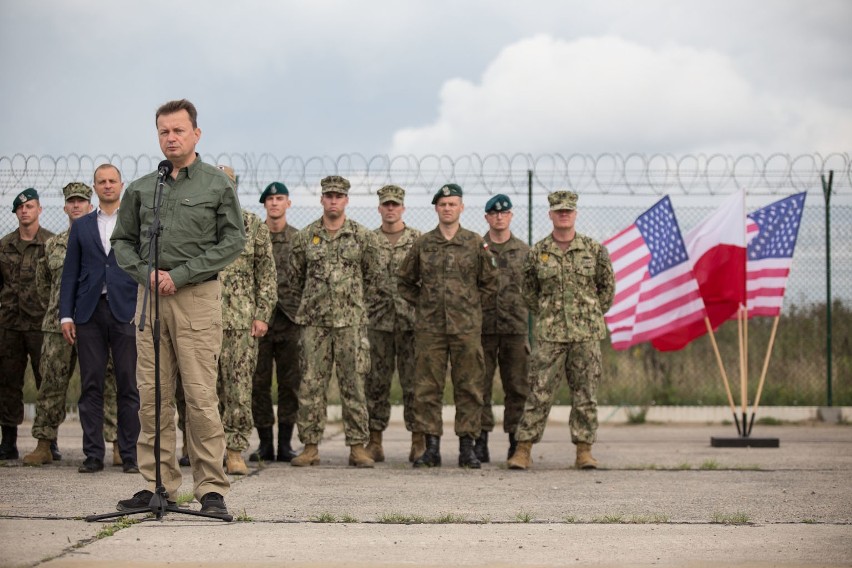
x=467, y=456
x=54, y=451
x=9, y=445
x=359, y=457
x=584, y=457
x=234, y=463
x=116, y=455
x=309, y=456
x=285, y=450
x=264, y=450
x=513, y=445
x=418, y=446
x=41, y=455
x=480, y=448
x=431, y=456
x=374, y=447
x=522, y=458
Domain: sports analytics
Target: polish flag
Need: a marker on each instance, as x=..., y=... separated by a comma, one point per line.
x=717, y=250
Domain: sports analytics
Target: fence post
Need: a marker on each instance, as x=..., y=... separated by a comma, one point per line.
x=530, y=242
x=826, y=191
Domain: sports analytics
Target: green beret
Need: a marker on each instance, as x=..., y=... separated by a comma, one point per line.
x=448, y=190
x=499, y=202
x=560, y=200
x=274, y=188
x=392, y=193
x=27, y=195
x=335, y=184
x=77, y=189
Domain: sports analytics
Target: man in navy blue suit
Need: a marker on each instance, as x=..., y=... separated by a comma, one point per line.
x=97, y=303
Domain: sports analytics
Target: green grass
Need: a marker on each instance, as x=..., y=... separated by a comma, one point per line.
x=121, y=523
x=450, y=519
x=401, y=519
x=609, y=519
x=653, y=518
x=709, y=465
x=184, y=497
x=570, y=519
x=347, y=518
x=809, y=521
x=324, y=518
x=738, y=518
x=524, y=517
x=243, y=517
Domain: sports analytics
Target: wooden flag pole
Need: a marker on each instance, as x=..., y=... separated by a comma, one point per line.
x=724, y=374
x=744, y=387
x=763, y=371
x=742, y=383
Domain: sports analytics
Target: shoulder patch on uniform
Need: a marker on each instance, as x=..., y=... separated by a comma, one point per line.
x=315, y=240
x=544, y=257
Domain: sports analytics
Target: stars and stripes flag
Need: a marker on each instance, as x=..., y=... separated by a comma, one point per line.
x=772, y=232
x=655, y=290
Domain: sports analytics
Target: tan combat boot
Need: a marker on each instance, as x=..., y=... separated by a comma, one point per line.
x=41, y=455
x=234, y=463
x=116, y=455
x=359, y=457
x=418, y=446
x=522, y=458
x=584, y=457
x=309, y=456
x=374, y=447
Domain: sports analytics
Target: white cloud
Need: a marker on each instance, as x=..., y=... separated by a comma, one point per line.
x=607, y=94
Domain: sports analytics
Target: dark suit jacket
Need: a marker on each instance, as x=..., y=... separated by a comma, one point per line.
x=86, y=269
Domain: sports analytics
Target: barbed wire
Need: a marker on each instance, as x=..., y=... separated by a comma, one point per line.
x=609, y=173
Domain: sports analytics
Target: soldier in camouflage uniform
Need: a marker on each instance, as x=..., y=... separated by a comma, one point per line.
x=58, y=357
x=279, y=348
x=333, y=261
x=569, y=284
x=448, y=276
x=21, y=314
x=391, y=331
x=505, y=327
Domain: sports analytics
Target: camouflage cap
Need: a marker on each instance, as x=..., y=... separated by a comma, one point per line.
x=77, y=189
x=27, y=195
x=499, y=202
x=274, y=188
x=562, y=200
x=335, y=184
x=392, y=193
x=448, y=190
x=229, y=171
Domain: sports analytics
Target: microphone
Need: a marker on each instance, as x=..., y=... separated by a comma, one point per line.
x=165, y=168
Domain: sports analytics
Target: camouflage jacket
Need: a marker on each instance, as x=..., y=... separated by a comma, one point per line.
x=248, y=284
x=395, y=314
x=49, y=277
x=569, y=291
x=507, y=313
x=282, y=245
x=448, y=282
x=331, y=273
x=21, y=307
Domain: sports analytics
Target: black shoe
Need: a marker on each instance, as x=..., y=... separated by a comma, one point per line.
x=54, y=451
x=140, y=500
x=129, y=466
x=480, y=448
x=265, y=451
x=467, y=457
x=91, y=465
x=285, y=450
x=9, y=446
x=213, y=503
x=432, y=456
x=184, y=461
x=513, y=445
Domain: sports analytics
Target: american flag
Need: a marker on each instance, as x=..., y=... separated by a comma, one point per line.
x=772, y=233
x=655, y=290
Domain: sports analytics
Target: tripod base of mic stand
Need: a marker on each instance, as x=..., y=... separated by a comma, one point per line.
x=158, y=507
x=744, y=442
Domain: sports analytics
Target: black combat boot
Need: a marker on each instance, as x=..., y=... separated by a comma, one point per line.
x=467, y=457
x=481, y=448
x=9, y=446
x=513, y=445
x=285, y=450
x=54, y=451
x=432, y=456
x=265, y=450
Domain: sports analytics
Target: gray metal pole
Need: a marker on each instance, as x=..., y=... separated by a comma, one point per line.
x=826, y=191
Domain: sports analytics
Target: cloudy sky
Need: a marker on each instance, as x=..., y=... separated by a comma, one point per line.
x=327, y=77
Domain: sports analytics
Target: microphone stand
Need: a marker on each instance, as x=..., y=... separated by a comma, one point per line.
x=159, y=504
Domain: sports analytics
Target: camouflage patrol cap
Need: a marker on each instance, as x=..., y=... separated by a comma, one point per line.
x=77, y=189
x=274, y=188
x=229, y=171
x=28, y=194
x=335, y=184
x=392, y=193
x=499, y=202
x=448, y=190
x=560, y=200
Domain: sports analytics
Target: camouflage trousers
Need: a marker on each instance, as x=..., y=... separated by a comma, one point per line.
x=390, y=351
x=15, y=347
x=580, y=364
x=345, y=352
x=58, y=359
x=279, y=348
x=464, y=353
x=511, y=353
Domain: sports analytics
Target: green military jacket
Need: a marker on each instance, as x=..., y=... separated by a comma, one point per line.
x=395, y=314
x=507, y=313
x=202, y=228
x=282, y=245
x=21, y=307
x=49, y=278
x=448, y=282
x=569, y=291
x=331, y=273
x=249, y=283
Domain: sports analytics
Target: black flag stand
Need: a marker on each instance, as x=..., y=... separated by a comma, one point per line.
x=159, y=504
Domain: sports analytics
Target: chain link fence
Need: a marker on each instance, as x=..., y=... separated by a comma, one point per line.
x=614, y=189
